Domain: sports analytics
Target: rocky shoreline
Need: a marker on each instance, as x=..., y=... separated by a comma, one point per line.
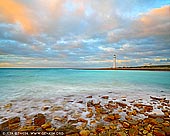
x=89, y=116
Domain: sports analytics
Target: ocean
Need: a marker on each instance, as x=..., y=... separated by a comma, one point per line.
x=22, y=83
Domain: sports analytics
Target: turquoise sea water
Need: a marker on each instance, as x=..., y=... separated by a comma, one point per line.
x=50, y=82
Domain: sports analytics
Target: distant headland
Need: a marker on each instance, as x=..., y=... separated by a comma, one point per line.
x=147, y=68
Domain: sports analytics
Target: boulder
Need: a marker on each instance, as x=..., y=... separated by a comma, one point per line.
x=39, y=119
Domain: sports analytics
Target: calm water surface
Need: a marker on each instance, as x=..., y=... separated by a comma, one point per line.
x=51, y=82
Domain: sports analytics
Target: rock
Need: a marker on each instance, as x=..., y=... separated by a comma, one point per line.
x=46, y=125
x=71, y=121
x=89, y=96
x=105, y=97
x=90, y=103
x=166, y=123
x=28, y=122
x=159, y=120
x=158, y=132
x=84, y=133
x=89, y=115
x=145, y=132
x=133, y=132
x=58, y=118
x=44, y=108
x=148, y=108
x=121, y=134
x=50, y=129
x=27, y=128
x=157, y=98
x=82, y=120
x=8, y=106
x=39, y=119
x=149, y=134
x=117, y=116
x=167, y=130
x=14, y=120
x=122, y=104
x=126, y=124
x=109, y=118
x=14, y=126
x=3, y=125
x=80, y=101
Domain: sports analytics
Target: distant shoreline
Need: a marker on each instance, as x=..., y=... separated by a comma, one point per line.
x=144, y=69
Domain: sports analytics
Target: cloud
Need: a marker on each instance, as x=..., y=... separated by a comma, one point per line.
x=72, y=33
x=14, y=12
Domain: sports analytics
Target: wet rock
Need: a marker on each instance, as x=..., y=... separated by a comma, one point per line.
x=133, y=132
x=58, y=118
x=159, y=120
x=122, y=104
x=27, y=128
x=148, y=108
x=50, y=129
x=68, y=129
x=166, y=123
x=14, y=126
x=126, y=124
x=157, y=98
x=89, y=96
x=14, y=120
x=82, y=120
x=105, y=97
x=89, y=115
x=56, y=108
x=117, y=116
x=71, y=121
x=28, y=122
x=149, y=134
x=145, y=132
x=121, y=134
x=167, y=130
x=109, y=118
x=44, y=108
x=80, y=101
x=3, y=125
x=158, y=132
x=39, y=119
x=8, y=106
x=46, y=125
x=90, y=103
x=84, y=133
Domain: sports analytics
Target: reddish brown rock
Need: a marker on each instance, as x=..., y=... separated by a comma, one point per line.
x=14, y=126
x=158, y=132
x=126, y=124
x=167, y=130
x=39, y=119
x=89, y=115
x=89, y=96
x=105, y=97
x=109, y=118
x=14, y=120
x=121, y=104
x=117, y=116
x=3, y=125
x=148, y=108
x=157, y=98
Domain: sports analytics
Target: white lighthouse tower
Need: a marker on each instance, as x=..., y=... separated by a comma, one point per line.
x=114, y=61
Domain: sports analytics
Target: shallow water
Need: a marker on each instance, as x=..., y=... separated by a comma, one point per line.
x=50, y=83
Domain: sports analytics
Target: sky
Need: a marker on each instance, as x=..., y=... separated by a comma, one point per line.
x=84, y=33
